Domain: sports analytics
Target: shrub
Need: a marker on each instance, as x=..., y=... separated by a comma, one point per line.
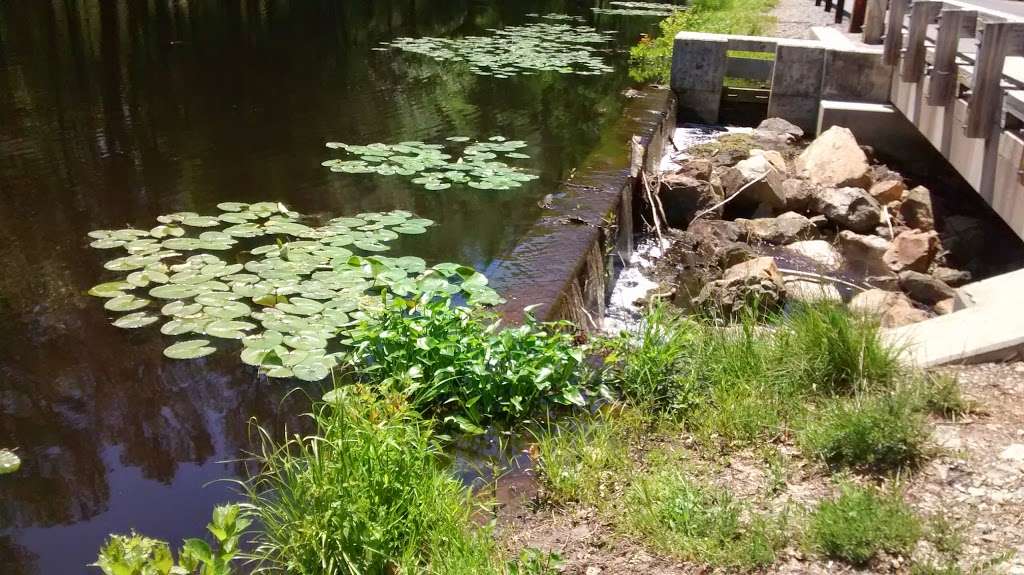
x=459, y=364
x=861, y=523
x=365, y=493
x=699, y=523
x=869, y=432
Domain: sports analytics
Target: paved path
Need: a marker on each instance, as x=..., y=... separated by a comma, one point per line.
x=1011, y=6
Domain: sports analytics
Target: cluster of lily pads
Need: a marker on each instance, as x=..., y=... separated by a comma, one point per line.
x=640, y=9
x=477, y=167
x=267, y=276
x=518, y=50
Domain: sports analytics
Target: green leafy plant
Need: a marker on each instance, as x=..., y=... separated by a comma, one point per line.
x=135, y=554
x=535, y=562
x=460, y=363
x=861, y=523
x=365, y=493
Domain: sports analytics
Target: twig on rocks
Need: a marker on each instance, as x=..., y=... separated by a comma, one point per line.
x=703, y=213
x=654, y=206
x=813, y=275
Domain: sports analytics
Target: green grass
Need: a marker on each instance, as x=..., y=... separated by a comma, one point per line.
x=862, y=523
x=699, y=523
x=651, y=60
x=941, y=395
x=871, y=432
x=365, y=493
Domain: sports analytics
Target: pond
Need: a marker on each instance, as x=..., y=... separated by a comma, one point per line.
x=114, y=112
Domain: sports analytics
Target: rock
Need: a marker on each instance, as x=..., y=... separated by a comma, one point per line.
x=893, y=309
x=945, y=307
x=952, y=277
x=716, y=231
x=834, y=159
x=864, y=254
x=766, y=190
x=1013, y=452
x=820, y=251
x=780, y=126
x=798, y=193
x=683, y=197
x=733, y=253
x=697, y=168
x=912, y=250
x=785, y=229
x=916, y=209
x=887, y=191
x=810, y=291
x=925, y=288
x=820, y=222
x=851, y=208
x=774, y=158
x=755, y=283
x=889, y=282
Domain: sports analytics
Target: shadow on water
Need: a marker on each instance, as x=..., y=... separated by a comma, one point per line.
x=114, y=112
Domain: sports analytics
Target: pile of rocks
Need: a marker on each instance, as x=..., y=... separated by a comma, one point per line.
x=743, y=203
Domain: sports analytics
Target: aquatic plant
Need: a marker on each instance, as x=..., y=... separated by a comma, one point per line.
x=458, y=362
x=434, y=169
x=517, y=50
x=285, y=287
x=660, y=9
x=9, y=461
x=136, y=554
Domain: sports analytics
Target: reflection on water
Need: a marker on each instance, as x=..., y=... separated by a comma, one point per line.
x=115, y=111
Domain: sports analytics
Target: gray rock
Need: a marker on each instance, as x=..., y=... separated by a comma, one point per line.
x=925, y=288
x=864, y=254
x=784, y=229
x=755, y=284
x=699, y=168
x=734, y=253
x=835, y=160
x=683, y=197
x=716, y=231
x=850, y=208
x=820, y=252
x=799, y=194
x=952, y=277
x=780, y=126
x=892, y=309
x=810, y=291
x=888, y=191
x=767, y=186
x=916, y=209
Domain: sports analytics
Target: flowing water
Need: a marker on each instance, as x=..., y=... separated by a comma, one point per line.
x=115, y=111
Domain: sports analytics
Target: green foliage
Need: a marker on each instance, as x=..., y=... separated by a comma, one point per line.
x=861, y=523
x=941, y=394
x=461, y=364
x=365, y=493
x=535, y=562
x=582, y=461
x=651, y=60
x=700, y=523
x=139, y=555
x=879, y=432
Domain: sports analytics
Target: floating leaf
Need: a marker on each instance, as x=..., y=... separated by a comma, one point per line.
x=110, y=289
x=134, y=320
x=125, y=302
x=9, y=462
x=190, y=349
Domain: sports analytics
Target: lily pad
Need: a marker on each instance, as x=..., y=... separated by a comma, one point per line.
x=191, y=349
x=9, y=462
x=135, y=320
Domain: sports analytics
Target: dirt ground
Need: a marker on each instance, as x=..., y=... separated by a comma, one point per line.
x=974, y=480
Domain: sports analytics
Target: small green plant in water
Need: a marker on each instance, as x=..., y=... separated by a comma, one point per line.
x=139, y=555
x=461, y=363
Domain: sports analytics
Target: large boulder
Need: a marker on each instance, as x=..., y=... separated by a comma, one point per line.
x=780, y=126
x=892, y=309
x=952, y=277
x=850, y=208
x=925, y=288
x=784, y=229
x=763, y=181
x=755, y=284
x=834, y=159
x=699, y=168
x=888, y=191
x=799, y=194
x=912, y=250
x=683, y=197
x=864, y=254
x=820, y=252
x=774, y=158
x=716, y=231
x=916, y=209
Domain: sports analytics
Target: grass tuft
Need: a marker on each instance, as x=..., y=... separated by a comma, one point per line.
x=862, y=523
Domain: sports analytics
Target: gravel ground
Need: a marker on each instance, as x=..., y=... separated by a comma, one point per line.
x=795, y=18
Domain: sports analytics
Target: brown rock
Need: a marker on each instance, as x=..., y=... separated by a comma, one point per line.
x=952, y=277
x=888, y=191
x=774, y=158
x=912, y=250
x=734, y=253
x=834, y=159
x=698, y=168
x=799, y=194
x=851, y=208
x=756, y=282
x=716, y=231
x=945, y=307
x=765, y=183
x=916, y=209
x=864, y=254
x=925, y=288
x=785, y=229
x=683, y=197
x=892, y=309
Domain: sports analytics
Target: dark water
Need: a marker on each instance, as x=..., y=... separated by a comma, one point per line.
x=113, y=112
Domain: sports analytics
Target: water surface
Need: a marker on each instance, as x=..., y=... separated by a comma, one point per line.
x=115, y=111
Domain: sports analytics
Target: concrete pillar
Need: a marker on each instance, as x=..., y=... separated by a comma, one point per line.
x=797, y=82
x=698, y=71
x=856, y=75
